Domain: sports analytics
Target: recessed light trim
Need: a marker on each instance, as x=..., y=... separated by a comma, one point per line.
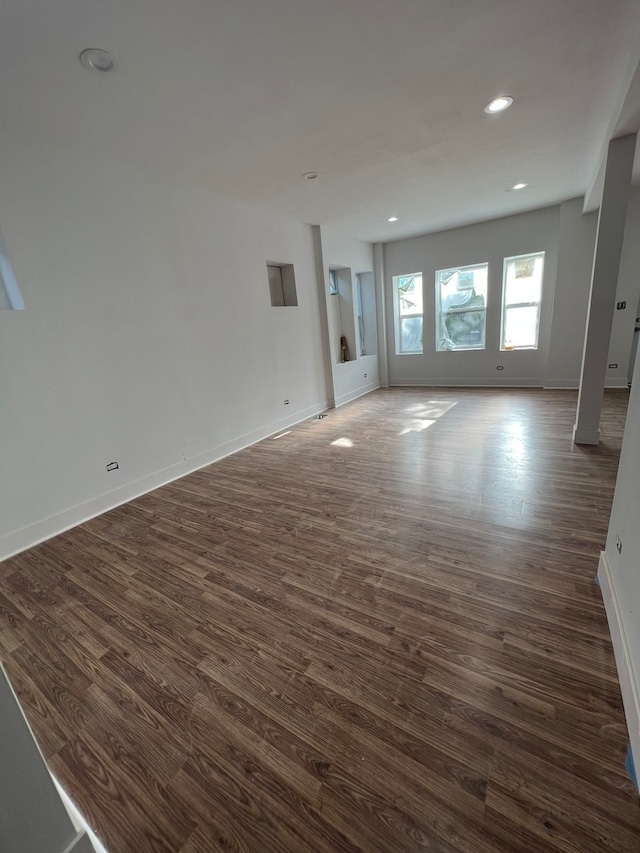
x=392, y=219
x=309, y=176
x=96, y=59
x=498, y=104
x=520, y=186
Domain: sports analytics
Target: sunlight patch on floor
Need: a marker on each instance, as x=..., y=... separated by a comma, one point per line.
x=425, y=414
x=342, y=442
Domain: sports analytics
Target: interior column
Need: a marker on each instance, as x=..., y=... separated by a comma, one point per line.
x=604, y=280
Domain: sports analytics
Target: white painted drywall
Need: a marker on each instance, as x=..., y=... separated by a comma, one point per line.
x=349, y=380
x=490, y=241
x=612, y=218
x=576, y=241
x=628, y=291
x=148, y=338
x=33, y=818
x=620, y=571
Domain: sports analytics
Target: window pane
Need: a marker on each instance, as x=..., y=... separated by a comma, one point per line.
x=411, y=334
x=409, y=294
x=407, y=305
x=521, y=295
x=523, y=279
x=461, y=297
x=465, y=329
x=520, y=327
x=359, y=314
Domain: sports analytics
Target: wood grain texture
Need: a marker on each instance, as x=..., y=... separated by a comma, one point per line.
x=377, y=632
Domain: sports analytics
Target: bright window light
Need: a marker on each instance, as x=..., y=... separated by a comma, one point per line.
x=416, y=425
x=407, y=309
x=342, y=442
x=521, y=298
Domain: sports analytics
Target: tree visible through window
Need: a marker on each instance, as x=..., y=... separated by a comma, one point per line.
x=407, y=304
x=461, y=308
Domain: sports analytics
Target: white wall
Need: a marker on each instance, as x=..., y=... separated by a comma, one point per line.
x=576, y=244
x=33, y=818
x=148, y=335
x=349, y=378
x=619, y=572
x=628, y=291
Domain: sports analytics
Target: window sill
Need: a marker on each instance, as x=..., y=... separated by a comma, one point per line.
x=462, y=349
x=517, y=349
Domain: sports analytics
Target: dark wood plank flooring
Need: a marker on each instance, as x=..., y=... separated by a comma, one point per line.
x=377, y=632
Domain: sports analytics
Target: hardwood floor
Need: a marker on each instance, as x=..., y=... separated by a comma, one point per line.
x=377, y=632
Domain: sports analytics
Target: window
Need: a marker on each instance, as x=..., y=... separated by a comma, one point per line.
x=359, y=317
x=10, y=296
x=333, y=283
x=366, y=313
x=461, y=307
x=282, y=285
x=407, y=305
x=521, y=294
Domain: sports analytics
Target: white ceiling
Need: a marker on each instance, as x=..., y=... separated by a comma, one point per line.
x=384, y=98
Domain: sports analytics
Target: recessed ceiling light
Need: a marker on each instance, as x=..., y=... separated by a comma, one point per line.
x=97, y=59
x=520, y=186
x=392, y=219
x=309, y=176
x=497, y=105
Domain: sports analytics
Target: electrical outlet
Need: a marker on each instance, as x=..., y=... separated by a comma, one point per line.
x=286, y=402
x=112, y=466
x=619, y=544
x=611, y=366
x=621, y=305
x=365, y=376
x=500, y=367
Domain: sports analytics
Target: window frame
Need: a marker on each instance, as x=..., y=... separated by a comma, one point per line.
x=460, y=310
x=357, y=302
x=398, y=317
x=504, y=306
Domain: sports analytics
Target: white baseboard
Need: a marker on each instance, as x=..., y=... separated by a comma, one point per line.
x=629, y=684
x=359, y=392
x=77, y=819
x=586, y=436
x=466, y=383
x=20, y=540
x=616, y=383
x=573, y=384
x=562, y=384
